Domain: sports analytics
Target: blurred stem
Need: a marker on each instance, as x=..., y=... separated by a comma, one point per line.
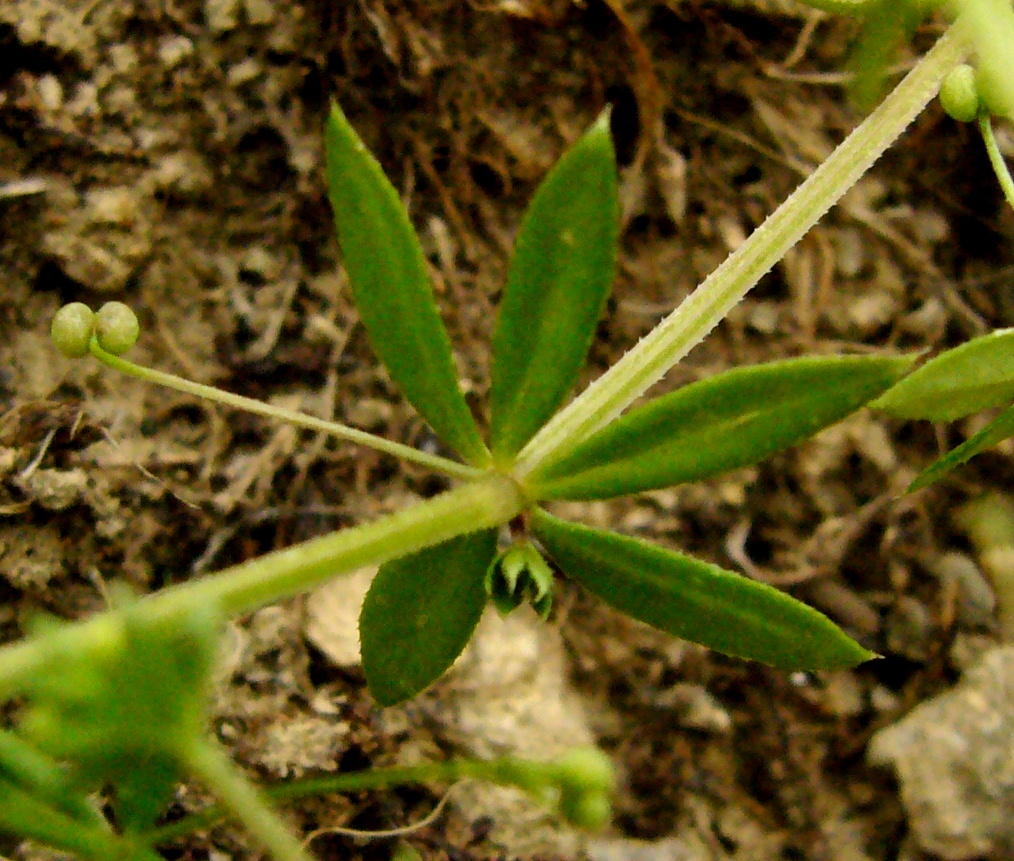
x=490, y=501
x=996, y=158
x=533, y=777
x=243, y=801
x=29, y=817
x=690, y=323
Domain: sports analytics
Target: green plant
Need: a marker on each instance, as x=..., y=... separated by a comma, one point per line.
x=424, y=604
x=974, y=376
x=92, y=688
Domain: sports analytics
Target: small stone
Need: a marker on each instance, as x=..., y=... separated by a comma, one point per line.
x=259, y=12
x=243, y=72
x=30, y=561
x=332, y=616
x=872, y=310
x=221, y=15
x=173, y=50
x=124, y=59
x=909, y=629
x=976, y=605
x=116, y=205
x=261, y=263
x=683, y=848
x=101, y=243
x=955, y=763
x=695, y=707
x=184, y=173
x=51, y=92
x=844, y=694
x=300, y=744
x=55, y=489
x=883, y=699
x=8, y=460
x=85, y=101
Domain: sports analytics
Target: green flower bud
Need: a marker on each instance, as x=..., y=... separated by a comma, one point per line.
x=116, y=328
x=586, y=769
x=959, y=94
x=589, y=810
x=72, y=329
x=520, y=575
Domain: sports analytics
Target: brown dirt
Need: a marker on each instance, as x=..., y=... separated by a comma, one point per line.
x=178, y=149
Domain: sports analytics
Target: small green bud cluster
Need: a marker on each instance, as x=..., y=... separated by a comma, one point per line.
x=114, y=327
x=587, y=781
x=518, y=576
x=578, y=785
x=960, y=95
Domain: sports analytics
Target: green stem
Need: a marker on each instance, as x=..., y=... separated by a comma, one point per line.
x=292, y=417
x=508, y=771
x=243, y=800
x=841, y=7
x=690, y=323
x=996, y=158
x=490, y=501
x=30, y=818
x=32, y=771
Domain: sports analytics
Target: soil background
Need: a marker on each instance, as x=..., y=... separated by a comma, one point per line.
x=168, y=154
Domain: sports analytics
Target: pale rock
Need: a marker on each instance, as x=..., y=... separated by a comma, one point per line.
x=955, y=763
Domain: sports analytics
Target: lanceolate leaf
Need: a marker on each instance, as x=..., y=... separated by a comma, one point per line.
x=721, y=423
x=697, y=601
x=392, y=291
x=560, y=276
x=977, y=375
x=420, y=613
x=995, y=432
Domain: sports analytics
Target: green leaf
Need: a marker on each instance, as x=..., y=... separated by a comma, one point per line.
x=28, y=817
x=560, y=277
x=887, y=25
x=1001, y=428
x=119, y=713
x=391, y=288
x=420, y=613
x=708, y=427
x=697, y=601
x=977, y=375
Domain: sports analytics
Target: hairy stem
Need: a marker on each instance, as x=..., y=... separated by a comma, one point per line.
x=292, y=417
x=690, y=323
x=490, y=501
x=244, y=801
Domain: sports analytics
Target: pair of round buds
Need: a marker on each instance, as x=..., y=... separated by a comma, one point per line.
x=114, y=327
